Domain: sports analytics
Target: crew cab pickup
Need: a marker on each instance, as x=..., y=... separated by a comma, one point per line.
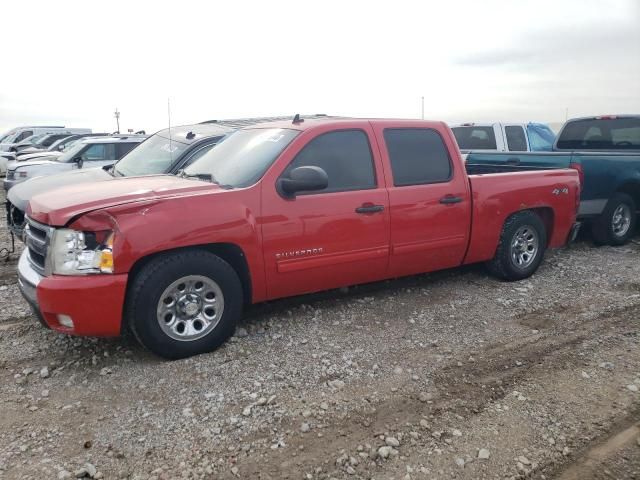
x=277, y=210
x=606, y=152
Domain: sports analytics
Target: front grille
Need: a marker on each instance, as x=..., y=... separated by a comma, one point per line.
x=15, y=219
x=37, y=238
x=11, y=174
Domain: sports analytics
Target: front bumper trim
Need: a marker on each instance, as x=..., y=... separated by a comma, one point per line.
x=7, y=184
x=28, y=279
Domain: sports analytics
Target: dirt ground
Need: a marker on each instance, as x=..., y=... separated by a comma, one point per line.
x=440, y=376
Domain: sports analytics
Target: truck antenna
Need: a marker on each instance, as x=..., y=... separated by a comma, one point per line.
x=169, y=117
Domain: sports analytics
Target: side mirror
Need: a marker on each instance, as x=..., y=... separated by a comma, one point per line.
x=302, y=179
x=78, y=161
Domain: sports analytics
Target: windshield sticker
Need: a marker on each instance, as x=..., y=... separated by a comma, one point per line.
x=169, y=148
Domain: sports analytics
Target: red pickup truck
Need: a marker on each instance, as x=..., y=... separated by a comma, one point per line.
x=277, y=210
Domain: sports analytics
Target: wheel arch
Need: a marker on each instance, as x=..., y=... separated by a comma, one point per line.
x=547, y=215
x=229, y=252
x=631, y=188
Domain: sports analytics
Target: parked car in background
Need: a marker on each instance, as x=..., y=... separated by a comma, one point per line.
x=13, y=137
x=19, y=134
x=277, y=210
x=87, y=153
x=504, y=137
x=52, y=142
x=39, y=142
x=54, y=149
x=165, y=152
x=606, y=151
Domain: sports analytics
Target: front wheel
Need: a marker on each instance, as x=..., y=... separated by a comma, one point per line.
x=521, y=248
x=616, y=223
x=183, y=304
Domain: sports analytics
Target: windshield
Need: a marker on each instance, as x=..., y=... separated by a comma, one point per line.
x=541, y=137
x=9, y=138
x=601, y=134
x=243, y=157
x=34, y=139
x=153, y=156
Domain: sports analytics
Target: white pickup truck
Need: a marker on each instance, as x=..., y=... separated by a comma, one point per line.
x=504, y=137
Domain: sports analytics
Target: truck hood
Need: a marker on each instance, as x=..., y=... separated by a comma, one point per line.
x=26, y=156
x=57, y=207
x=15, y=164
x=20, y=194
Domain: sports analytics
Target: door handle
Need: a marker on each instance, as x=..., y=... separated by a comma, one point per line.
x=513, y=161
x=370, y=208
x=450, y=200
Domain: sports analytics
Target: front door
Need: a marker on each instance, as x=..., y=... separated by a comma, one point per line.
x=335, y=237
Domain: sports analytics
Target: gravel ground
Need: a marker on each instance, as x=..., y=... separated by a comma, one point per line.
x=447, y=375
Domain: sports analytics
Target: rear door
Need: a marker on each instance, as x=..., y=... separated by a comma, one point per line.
x=329, y=238
x=429, y=198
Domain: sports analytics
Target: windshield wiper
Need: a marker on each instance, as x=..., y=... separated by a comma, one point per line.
x=207, y=177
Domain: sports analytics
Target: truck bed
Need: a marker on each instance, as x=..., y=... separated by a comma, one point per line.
x=548, y=197
x=500, y=162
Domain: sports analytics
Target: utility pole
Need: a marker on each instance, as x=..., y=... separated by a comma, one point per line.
x=422, y=108
x=117, y=115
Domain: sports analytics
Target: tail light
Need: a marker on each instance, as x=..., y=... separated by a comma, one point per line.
x=578, y=167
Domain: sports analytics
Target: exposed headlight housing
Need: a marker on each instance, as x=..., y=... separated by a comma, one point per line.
x=81, y=253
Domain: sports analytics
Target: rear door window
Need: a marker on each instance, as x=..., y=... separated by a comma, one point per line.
x=344, y=155
x=418, y=156
x=516, y=139
x=475, y=138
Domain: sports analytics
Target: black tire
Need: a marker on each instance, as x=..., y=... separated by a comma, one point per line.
x=503, y=265
x=152, y=281
x=603, y=230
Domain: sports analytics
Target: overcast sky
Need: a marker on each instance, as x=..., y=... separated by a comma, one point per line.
x=73, y=63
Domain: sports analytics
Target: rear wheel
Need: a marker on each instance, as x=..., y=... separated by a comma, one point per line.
x=184, y=304
x=522, y=245
x=616, y=223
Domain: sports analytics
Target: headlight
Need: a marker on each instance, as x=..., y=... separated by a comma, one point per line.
x=79, y=253
x=21, y=174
